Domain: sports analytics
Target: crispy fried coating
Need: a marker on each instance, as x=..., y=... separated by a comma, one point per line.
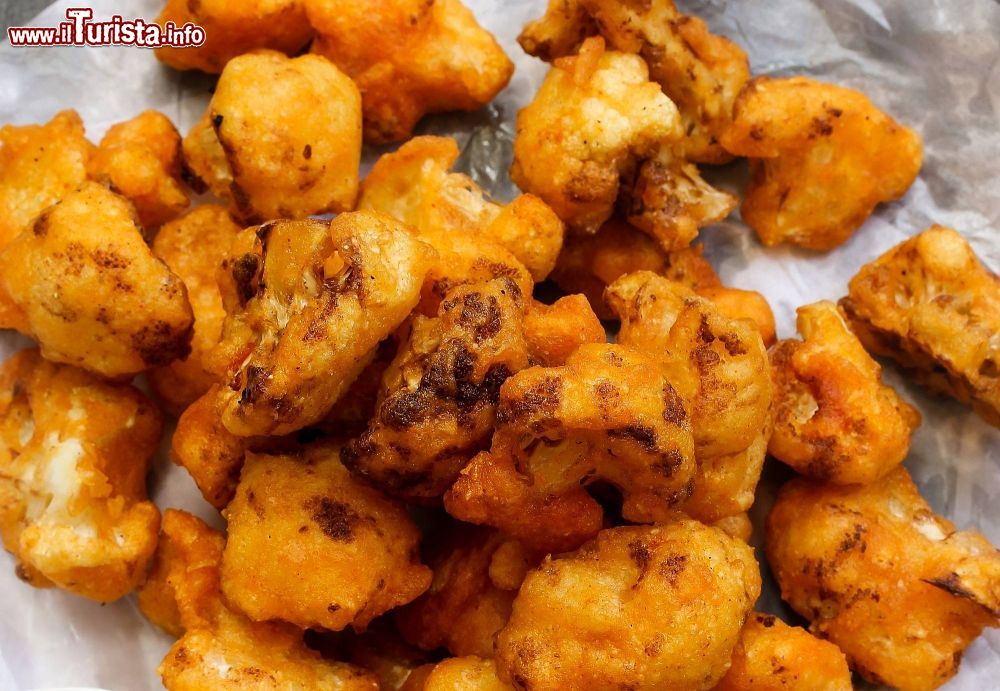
x=194, y=247
x=559, y=32
x=930, y=304
x=307, y=303
x=39, y=165
x=140, y=159
x=310, y=545
x=87, y=287
x=717, y=363
x=595, y=115
x=554, y=332
x=287, y=137
x=834, y=418
x=465, y=606
x=667, y=198
x=822, y=158
x=211, y=454
x=894, y=585
x=381, y=650
x=410, y=58
x=74, y=451
x=608, y=414
x=737, y=526
x=181, y=591
x=234, y=28
x=350, y=415
x=641, y=607
x=437, y=403
x=469, y=673
x=701, y=73
x=773, y=656
x=220, y=648
x=588, y=264
x=414, y=184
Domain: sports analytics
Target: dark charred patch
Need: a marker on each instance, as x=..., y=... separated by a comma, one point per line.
x=217, y=121
x=332, y=607
x=158, y=343
x=669, y=463
x=543, y=398
x=253, y=384
x=334, y=518
x=307, y=152
x=852, y=539
x=245, y=275
x=639, y=552
x=705, y=334
x=642, y=435
x=672, y=567
x=41, y=225
x=705, y=358
x=767, y=621
x=109, y=260
x=653, y=648
x=673, y=406
x=734, y=346
x=482, y=318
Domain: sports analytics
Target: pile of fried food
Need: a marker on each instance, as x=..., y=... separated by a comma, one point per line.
x=430, y=478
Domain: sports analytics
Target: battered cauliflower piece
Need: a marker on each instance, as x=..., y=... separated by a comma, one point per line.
x=437, y=403
x=718, y=364
x=311, y=545
x=73, y=458
x=667, y=198
x=822, y=158
x=554, y=332
x=414, y=184
x=281, y=137
x=835, y=419
x=737, y=526
x=773, y=656
x=467, y=602
x=588, y=264
x=468, y=673
x=641, y=607
x=232, y=29
x=594, y=117
x=307, y=303
x=891, y=583
x=930, y=304
x=701, y=73
x=140, y=159
x=194, y=247
x=410, y=58
x=608, y=414
x=85, y=285
x=220, y=648
x=39, y=165
x=211, y=454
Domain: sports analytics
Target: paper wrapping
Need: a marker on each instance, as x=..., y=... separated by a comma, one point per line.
x=933, y=64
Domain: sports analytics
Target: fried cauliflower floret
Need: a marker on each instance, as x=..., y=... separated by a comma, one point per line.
x=701, y=73
x=718, y=364
x=410, y=58
x=468, y=673
x=232, y=29
x=467, y=603
x=554, y=332
x=773, y=656
x=822, y=158
x=930, y=304
x=181, y=590
x=287, y=137
x=220, y=648
x=834, y=418
x=39, y=165
x=642, y=607
x=141, y=160
x=608, y=414
x=211, y=454
x=588, y=264
x=86, y=286
x=307, y=303
x=414, y=184
x=891, y=583
x=437, y=403
x=194, y=247
x=737, y=526
x=310, y=545
x=73, y=458
x=559, y=32
x=595, y=115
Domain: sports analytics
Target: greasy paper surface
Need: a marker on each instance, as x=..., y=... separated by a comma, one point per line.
x=932, y=64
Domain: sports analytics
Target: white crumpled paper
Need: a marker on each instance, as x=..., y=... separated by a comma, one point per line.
x=933, y=64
